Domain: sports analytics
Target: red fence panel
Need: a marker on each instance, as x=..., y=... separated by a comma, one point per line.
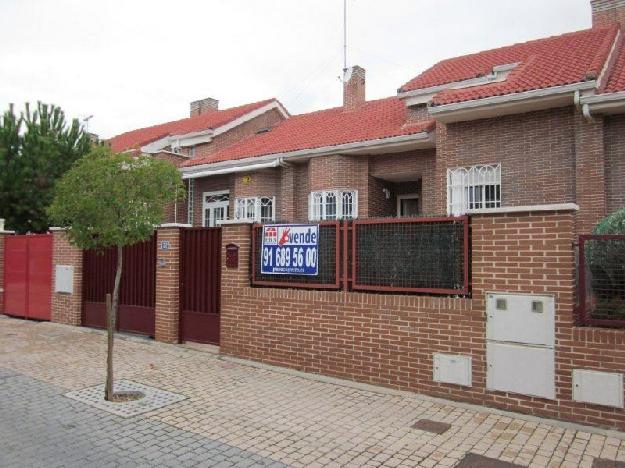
x=200, y=284
x=137, y=294
x=28, y=276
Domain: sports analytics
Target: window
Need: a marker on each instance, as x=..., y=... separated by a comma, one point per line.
x=473, y=188
x=214, y=208
x=259, y=209
x=408, y=205
x=333, y=204
x=191, y=151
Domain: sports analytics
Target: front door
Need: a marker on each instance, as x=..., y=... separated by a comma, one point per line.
x=215, y=208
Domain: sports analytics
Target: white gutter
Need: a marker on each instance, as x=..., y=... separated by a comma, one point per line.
x=501, y=105
x=230, y=170
x=608, y=103
x=226, y=167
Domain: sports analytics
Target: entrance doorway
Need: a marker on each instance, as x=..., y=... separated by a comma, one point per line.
x=215, y=208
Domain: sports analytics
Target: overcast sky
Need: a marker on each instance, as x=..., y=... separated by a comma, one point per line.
x=134, y=63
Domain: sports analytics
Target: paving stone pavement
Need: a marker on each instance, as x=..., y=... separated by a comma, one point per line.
x=236, y=414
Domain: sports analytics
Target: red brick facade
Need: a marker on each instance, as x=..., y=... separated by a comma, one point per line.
x=167, y=314
x=67, y=308
x=389, y=340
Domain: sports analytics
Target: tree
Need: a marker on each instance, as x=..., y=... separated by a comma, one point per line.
x=36, y=148
x=114, y=200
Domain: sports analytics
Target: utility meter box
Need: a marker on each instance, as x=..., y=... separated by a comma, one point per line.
x=520, y=318
x=64, y=279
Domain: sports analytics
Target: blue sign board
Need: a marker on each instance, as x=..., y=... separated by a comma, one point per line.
x=290, y=249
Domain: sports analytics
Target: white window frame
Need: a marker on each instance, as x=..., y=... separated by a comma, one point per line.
x=220, y=204
x=317, y=204
x=464, y=184
x=406, y=196
x=241, y=211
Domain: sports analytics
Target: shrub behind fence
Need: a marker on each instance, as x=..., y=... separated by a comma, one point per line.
x=602, y=280
x=427, y=255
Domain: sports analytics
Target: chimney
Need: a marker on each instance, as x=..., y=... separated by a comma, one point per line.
x=606, y=12
x=203, y=106
x=354, y=87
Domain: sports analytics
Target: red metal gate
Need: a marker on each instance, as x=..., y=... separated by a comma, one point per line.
x=28, y=276
x=137, y=293
x=200, y=284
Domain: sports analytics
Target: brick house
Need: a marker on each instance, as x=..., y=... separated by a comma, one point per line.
x=207, y=130
x=538, y=123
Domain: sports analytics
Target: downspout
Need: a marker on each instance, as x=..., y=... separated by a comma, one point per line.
x=584, y=107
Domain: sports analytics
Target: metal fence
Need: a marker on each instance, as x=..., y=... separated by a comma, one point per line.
x=417, y=255
x=329, y=274
x=601, y=280
x=409, y=255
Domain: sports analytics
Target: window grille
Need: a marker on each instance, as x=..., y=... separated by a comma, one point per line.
x=258, y=209
x=191, y=190
x=473, y=188
x=333, y=204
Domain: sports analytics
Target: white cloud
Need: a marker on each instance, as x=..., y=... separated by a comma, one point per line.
x=136, y=63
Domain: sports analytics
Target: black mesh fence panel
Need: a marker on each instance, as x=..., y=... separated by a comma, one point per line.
x=417, y=256
x=603, y=278
x=327, y=259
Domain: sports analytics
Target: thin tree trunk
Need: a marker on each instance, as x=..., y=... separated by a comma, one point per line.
x=112, y=316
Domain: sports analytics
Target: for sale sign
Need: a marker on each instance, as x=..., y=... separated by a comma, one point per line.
x=290, y=249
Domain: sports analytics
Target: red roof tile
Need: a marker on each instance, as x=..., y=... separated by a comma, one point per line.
x=616, y=80
x=382, y=118
x=543, y=63
x=142, y=136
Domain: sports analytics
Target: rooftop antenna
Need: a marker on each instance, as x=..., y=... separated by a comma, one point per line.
x=344, y=37
x=86, y=122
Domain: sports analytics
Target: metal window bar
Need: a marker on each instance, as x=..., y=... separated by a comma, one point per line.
x=413, y=255
x=601, y=280
x=330, y=205
x=473, y=188
x=191, y=190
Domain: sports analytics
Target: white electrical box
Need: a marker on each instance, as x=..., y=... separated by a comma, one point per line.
x=64, y=279
x=520, y=318
x=453, y=369
x=599, y=388
x=527, y=370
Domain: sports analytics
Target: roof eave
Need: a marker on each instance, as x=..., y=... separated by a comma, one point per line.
x=608, y=103
x=495, y=106
x=396, y=144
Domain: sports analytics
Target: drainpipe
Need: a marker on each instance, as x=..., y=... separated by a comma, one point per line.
x=585, y=107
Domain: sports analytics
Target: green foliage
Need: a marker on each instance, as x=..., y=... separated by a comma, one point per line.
x=605, y=260
x=36, y=148
x=108, y=199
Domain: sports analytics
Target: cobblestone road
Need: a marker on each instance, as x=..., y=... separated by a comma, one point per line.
x=236, y=415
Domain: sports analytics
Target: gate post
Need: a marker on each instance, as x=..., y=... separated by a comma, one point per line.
x=3, y=234
x=66, y=306
x=167, y=313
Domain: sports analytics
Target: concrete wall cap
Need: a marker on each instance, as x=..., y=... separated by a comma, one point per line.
x=174, y=225
x=530, y=208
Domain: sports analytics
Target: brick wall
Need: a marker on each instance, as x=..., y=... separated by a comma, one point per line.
x=536, y=151
x=606, y=12
x=389, y=340
x=167, y=313
x=266, y=120
x=66, y=308
x=615, y=163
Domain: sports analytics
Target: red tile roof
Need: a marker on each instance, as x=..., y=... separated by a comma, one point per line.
x=142, y=136
x=543, y=63
x=616, y=80
x=382, y=118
